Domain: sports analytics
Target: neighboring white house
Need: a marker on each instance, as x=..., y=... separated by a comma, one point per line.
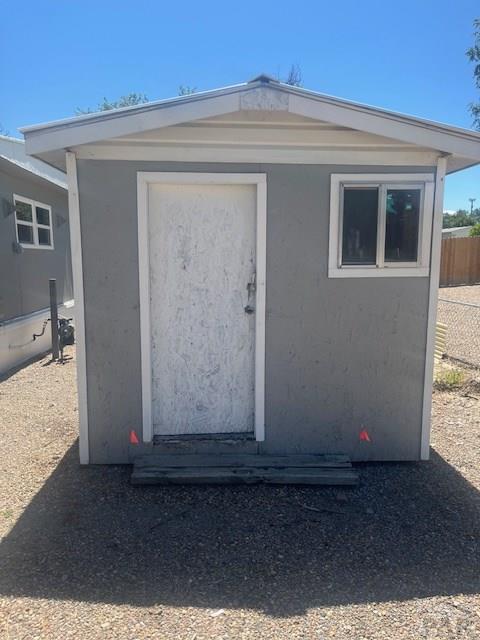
x=34, y=247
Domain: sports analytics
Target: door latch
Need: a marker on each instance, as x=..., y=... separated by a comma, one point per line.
x=249, y=309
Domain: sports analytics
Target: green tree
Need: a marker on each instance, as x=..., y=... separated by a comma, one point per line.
x=461, y=218
x=458, y=219
x=473, y=54
x=293, y=78
x=186, y=90
x=475, y=230
x=128, y=100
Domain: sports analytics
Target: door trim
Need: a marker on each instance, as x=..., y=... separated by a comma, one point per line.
x=144, y=179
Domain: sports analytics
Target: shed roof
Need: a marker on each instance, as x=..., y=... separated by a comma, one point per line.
x=48, y=141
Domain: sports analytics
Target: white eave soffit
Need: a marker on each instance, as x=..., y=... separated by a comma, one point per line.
x=255, y=96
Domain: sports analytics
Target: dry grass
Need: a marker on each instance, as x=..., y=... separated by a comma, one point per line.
x=449, y=378
x=84, y=555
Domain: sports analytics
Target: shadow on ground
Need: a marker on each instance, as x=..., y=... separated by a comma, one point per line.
x=409, y=531
x=11, y=372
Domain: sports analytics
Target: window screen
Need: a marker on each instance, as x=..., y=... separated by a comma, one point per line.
x=43, y=216
x=360, y=219
x=25, y=234
x=44, y=236
x=24, y=211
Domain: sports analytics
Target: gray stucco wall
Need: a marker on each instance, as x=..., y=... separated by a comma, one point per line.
x=341, y=354
x=25, y=275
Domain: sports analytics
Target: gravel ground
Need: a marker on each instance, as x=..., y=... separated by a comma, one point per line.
x=470, y=293
x=85, y=555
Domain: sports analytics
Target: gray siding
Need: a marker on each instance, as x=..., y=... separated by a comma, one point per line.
x=341, y=354
x=24, y=281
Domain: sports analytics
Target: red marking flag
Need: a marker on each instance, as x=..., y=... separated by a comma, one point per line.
x=133, y=437
x=364, y=435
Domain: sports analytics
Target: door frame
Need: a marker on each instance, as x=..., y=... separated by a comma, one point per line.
x=146, y=178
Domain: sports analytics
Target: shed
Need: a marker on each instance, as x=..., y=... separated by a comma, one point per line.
x=255, y=269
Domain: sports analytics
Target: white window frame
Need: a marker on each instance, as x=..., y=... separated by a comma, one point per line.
x=383, y=181
x=34, y=224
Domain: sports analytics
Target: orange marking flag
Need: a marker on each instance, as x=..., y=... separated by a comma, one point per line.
x=133, y=437
x=364, y=435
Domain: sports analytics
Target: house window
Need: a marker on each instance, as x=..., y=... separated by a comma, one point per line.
x=33, y=221
x=380, y=225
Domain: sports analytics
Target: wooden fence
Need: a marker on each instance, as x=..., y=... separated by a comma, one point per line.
x=460, y=263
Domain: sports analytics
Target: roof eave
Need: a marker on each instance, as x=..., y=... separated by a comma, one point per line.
x=33, y=172
x=65, y=134
x=98, y=116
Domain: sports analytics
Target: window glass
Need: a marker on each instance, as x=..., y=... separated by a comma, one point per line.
x=24, y=211
x=34, y=223
x=402, y=218
x=43, y=216
x=360, y=217
x=25, y=234
x=43, y=236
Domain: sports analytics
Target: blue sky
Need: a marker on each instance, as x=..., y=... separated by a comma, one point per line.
x=56, y=55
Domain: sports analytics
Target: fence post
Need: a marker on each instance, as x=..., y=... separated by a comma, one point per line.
x=54, y=317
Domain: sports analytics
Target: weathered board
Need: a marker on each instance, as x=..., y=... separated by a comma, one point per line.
x=242, y=460
x=244, y=469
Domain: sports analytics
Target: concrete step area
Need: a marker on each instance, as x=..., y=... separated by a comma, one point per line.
x=243, y=469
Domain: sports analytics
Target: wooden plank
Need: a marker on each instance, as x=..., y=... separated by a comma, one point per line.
x=232, y=479
x=241, y=460
x=240, y=471
x=223, y=475
x=302, y=479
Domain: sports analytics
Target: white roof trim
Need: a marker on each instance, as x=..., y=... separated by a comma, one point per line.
x=265, y=95
x=12, y=150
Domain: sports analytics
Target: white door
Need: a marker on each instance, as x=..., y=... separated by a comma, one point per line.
x=202, y=268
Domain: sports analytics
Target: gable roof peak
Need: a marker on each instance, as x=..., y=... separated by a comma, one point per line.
x=264, y=78
x=262, y=93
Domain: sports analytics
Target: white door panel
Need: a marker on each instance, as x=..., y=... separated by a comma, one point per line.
x=202, y=243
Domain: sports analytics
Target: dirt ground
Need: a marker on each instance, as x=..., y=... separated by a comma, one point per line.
x=85, y=555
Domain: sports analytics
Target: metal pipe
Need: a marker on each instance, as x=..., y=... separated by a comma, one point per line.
x=54, y=317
